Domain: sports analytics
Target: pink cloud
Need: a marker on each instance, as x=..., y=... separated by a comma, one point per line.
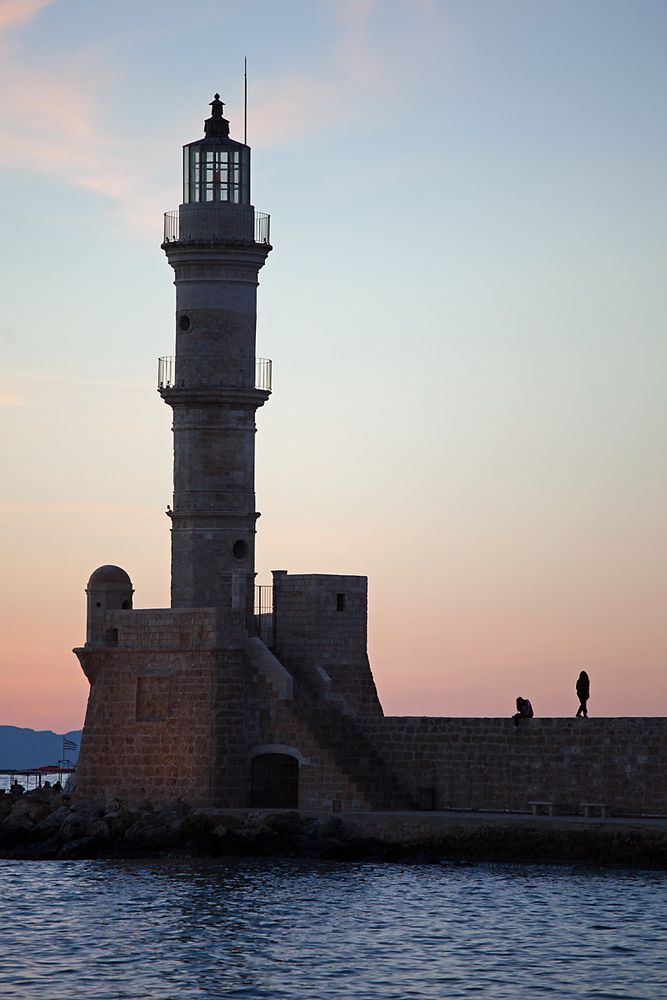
x=357, y=79
x=361, y=76
x=16, y=12
x=71, y=143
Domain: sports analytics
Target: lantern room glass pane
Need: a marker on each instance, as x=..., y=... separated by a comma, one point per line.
x=195, y=175
x=214, y=175
x=186, y=174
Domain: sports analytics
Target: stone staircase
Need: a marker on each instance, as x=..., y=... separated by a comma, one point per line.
x=338, y=732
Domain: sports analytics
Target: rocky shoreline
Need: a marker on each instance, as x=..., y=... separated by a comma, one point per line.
x=47, y=823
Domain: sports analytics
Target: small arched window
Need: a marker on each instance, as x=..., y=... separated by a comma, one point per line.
x=111, y=637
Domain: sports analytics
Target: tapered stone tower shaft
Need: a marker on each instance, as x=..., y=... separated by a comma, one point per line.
x=216, y=244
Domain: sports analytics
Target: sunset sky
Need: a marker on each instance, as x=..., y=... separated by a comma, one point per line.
x=465, y=308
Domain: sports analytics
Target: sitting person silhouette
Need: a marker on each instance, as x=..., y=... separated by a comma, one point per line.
x=524, y=710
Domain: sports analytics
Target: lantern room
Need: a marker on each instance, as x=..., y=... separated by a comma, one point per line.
x=216, y=168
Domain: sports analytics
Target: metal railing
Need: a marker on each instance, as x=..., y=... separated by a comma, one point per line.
x=262, y=227
x=166, y=373
x=171, y=227
x=264, y=613
x=263, y=374
x=166, y=376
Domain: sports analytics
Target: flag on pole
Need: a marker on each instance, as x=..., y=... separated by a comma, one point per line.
x=68, y=745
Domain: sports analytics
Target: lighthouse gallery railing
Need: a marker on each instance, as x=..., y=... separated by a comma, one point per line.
x=166, y=375
x=262, y=227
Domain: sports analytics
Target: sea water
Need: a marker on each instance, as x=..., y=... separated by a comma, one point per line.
x=290, y=929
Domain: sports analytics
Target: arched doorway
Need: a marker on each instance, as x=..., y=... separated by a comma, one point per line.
x=275, y=781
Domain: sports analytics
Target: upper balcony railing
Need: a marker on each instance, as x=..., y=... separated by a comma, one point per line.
x=261, y=226
x=166, y=376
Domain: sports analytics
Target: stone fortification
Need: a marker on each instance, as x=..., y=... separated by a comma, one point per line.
x=165, y=716
x=206, y=703
x=184, y=704
x=320, y=634
x=490, y=764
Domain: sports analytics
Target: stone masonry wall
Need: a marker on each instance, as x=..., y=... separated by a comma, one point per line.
x=165, y=723
x=320, y=624
x=278, y=723
x=175, y=628
x=490, y=764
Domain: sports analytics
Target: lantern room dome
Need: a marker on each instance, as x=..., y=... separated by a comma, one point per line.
x=216, y=168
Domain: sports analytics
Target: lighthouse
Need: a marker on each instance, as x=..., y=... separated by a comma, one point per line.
x=216, y=243
x=203, y=701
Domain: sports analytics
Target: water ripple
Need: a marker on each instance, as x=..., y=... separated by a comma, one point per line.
x=291, y=930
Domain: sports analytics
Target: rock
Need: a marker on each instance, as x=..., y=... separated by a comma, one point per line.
x=361, y=849
x=263, y=839
x=324, y=828
x=77, y=825
x=82, y=847
x=46, y=850
x=16, y=824
x=51, y=824
x=98, y=828
x=34, y=809
x=284, y=822
x=88, y=809
x=118, y=820
x=214, y=819
x=149, y=833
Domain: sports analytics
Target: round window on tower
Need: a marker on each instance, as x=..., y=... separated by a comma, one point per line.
x=184, y=324
x=240, y=549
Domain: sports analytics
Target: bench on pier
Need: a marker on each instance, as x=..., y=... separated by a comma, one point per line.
x=542, y=808
x=598, y=809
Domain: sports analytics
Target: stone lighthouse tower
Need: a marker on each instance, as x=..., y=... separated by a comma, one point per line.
x=216, y=244
x=168, y=711
x=201, y=701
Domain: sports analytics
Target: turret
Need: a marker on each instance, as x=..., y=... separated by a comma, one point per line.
x=109, y=589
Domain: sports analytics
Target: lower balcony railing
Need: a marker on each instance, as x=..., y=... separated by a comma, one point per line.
x=166, y=376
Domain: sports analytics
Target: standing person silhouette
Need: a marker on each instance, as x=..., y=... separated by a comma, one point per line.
x=583, y=693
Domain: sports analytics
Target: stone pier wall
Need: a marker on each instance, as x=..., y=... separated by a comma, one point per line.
x=490, y=764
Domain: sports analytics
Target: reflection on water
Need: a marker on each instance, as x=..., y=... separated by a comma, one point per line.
x=288, y=930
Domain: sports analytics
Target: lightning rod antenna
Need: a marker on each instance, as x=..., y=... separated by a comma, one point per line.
x=245, y=101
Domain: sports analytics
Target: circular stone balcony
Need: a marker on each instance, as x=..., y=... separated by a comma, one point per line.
x=168, y=378
x=205, y=222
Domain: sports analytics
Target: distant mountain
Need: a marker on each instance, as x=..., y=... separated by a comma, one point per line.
x=32, y=748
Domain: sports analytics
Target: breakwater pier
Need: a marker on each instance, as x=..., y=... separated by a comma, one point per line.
x=49, y=824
